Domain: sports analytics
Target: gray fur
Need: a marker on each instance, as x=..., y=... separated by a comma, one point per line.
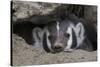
x=56, y=41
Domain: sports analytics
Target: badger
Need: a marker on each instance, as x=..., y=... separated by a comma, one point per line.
x=66, y=35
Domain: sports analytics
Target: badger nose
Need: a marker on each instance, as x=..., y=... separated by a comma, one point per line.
x=58, y=47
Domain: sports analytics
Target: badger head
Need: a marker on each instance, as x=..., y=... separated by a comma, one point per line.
x=62, y=36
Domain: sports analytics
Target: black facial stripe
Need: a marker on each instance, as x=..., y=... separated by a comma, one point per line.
x=74, y=40
x=37, y=34
x=45, y=43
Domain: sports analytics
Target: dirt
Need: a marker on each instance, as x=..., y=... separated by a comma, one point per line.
x=24, y=54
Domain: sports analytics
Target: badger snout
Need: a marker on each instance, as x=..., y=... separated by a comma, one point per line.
x=58, y=47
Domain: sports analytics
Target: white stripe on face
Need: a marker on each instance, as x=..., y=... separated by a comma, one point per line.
x=37, y=36
x=69, y=43
x=79, y=30
x=70, y=40
x=58, y=28
x=48, y=42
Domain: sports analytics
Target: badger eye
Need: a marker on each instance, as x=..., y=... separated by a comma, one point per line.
x=50, y=37
x=67, y=35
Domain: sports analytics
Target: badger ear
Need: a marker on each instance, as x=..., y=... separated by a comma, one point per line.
x=37, y=34
x=79, y=29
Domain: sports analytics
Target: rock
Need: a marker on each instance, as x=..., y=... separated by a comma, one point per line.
x=90, y=13
x=28, y=9
x=23, y=9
